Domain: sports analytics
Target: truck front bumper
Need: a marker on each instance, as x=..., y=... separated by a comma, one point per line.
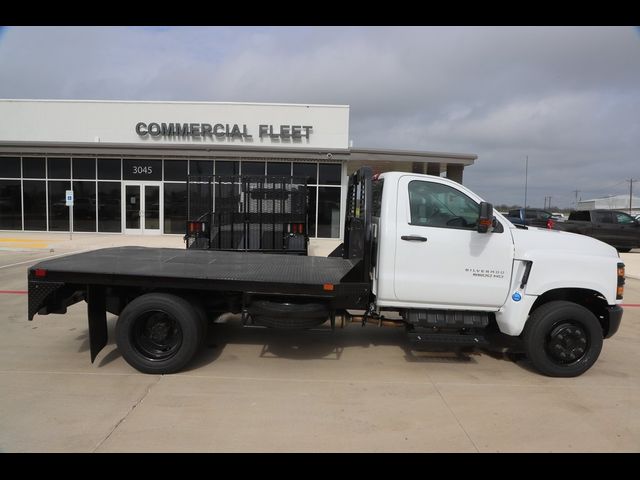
x=615, y=317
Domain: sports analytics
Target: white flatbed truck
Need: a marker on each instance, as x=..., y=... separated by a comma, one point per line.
x=423, y=247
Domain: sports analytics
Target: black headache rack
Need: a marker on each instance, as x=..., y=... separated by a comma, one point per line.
x=265, y=213
x=358, y=242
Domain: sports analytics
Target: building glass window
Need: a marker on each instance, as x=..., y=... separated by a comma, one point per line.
x=33, y=167
x=109, y=169
x=252, y=168
x=59, y=168
x=175, y=170
x=308, y=170
x=84, y=168
x=311, y=210
x=227, y=167
x=175, y=207
x=84, y=206
x=9, y=167
x=200, y=167
x=279, y=168
x=328, y=212
x=35, y=204
x=330, y=174
x=58, y=210
x=109, y=207
x=10, y=204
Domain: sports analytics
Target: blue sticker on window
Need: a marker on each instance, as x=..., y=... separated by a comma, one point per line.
x=516, y=297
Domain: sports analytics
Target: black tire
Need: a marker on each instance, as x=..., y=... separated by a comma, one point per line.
x=159, y=333
x=562, y=339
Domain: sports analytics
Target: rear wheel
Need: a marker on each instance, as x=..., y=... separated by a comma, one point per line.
x=562, y=339
x=159, y=333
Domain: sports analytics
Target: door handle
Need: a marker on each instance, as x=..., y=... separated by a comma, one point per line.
x=414, y=238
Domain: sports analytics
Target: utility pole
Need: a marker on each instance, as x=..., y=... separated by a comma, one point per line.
x=631, y=180
x=576, y=192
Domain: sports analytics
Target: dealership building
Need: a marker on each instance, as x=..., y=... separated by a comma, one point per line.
x=127, y=161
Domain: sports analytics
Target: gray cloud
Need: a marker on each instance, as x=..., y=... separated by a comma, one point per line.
x=567, y=97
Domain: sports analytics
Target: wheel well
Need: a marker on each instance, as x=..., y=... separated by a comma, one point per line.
x=589, y=299
x=119, y=298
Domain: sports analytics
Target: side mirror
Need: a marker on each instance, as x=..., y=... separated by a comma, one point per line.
x=485, y=219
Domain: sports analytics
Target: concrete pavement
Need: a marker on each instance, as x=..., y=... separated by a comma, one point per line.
x=357, y=389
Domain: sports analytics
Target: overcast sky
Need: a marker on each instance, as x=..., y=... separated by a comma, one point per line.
x=566, y=97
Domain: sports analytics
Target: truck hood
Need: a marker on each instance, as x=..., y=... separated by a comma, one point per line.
x=536, y=240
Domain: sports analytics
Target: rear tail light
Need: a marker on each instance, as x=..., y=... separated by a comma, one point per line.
x=40, y=272
x=550, y=223
x=295, y=228
x=194, y=227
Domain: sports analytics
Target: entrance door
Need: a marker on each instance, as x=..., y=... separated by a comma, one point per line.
x=441, y=259
x=142, y=207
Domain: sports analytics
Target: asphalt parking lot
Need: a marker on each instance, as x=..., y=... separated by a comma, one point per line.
x=356, y=389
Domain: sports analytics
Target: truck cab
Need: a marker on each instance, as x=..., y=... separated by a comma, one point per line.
x=434, y=257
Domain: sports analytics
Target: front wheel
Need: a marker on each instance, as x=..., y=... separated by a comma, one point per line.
x=159, y=333
x=562, y=339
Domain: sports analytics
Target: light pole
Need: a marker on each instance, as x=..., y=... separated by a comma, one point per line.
x=526, y=174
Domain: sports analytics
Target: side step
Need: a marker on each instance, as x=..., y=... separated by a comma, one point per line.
x=422, y=339
x=447, y=318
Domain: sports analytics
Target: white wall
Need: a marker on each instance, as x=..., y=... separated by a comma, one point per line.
x=115, y=121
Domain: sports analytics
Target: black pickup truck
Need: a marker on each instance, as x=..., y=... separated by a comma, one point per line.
x=616, y=228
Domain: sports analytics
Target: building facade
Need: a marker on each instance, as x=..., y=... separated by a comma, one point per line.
x=127, y=162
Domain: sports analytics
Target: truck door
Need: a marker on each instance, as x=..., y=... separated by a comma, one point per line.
x=441, y=259
x=604, y=227
x=628, y=230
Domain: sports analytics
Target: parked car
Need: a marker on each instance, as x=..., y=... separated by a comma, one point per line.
x=559, y=217
x=618, y=229
x=534, y=217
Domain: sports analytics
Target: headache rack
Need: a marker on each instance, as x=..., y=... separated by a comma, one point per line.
x=265, y=213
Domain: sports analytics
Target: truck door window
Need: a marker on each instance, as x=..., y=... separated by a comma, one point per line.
x=603, y=217
x=437, y=205
x=624, y=219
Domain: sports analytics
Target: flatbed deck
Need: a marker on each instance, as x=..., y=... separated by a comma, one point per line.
x=203, y=265
x=170, y=268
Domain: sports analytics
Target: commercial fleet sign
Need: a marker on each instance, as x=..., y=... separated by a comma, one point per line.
x=223, y=131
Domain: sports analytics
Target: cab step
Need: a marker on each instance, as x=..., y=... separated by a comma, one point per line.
x=422, y=339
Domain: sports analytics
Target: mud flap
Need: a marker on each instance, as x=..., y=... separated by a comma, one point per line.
x=97, y=313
